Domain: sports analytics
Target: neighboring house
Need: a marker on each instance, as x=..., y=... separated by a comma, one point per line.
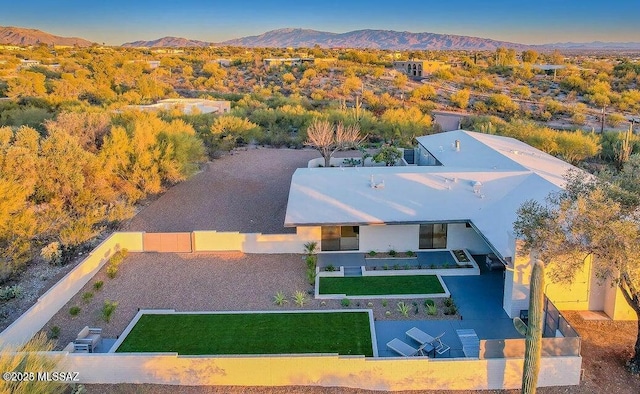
x=188, y=106
x=419, y=68
x=463, y=193
x=26, y=63
x=295, y=61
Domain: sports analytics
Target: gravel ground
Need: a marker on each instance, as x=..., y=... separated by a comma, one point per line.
x=204, y=282
x=246, y=191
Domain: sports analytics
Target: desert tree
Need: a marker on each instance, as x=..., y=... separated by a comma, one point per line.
x=328, y=138
x=589, y=218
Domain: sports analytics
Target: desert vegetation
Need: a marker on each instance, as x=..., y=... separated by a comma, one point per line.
x=75, y=161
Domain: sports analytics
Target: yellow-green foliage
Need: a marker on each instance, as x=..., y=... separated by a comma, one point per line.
x=29, y=359
x=573, y=146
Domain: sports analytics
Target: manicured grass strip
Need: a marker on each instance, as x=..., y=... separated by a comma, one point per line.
x=381, y=285
x=252, y=333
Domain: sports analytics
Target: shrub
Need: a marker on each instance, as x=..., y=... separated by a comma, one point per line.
x=280, y=299
x=54, y=332
x=310, y=247
x=74, y=310
x=311, y=276
x=112, y=271
x=410, y=253
x=311, y=261
x=52, y=253
x=300, y=298
x=372, y=253
x=87, y=296
x=345, y=302
x=114, y=262
x=388, y=313
x=448, y=302
x=384, y=303
x=403, y=309
x=392, y=253
x=107, y=310
x=330, y=268
x=10, y=292
x=452, y=310
x=370, y=304
x=432, y=310
x=98, y=285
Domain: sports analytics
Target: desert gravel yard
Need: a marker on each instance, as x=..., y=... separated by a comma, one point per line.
x=202, y=282
x=245, y=192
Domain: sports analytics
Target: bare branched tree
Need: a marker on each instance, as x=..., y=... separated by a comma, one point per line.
x=328, y=139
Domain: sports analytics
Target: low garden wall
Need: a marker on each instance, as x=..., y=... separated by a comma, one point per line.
x=213, y=241
x=318, y=370
x=48, y=304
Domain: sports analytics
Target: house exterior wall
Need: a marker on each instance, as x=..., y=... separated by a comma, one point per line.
x=584, y=293
x=616, y=306
x=382, y=238
x=459, y=236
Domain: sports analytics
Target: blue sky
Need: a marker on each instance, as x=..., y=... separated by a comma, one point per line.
x=529, y=22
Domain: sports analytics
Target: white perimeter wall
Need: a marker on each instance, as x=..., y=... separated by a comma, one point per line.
x=459, y=236
x=392, y=374
x=32, y=321
x=382, y=238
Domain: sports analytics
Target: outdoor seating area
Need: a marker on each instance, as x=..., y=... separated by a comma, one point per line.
x=407, y=350
x=88, y=340
x=429, y=345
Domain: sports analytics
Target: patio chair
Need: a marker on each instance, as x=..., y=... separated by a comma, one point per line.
x=423, y=338
x=88, y=338
x=419, y=336
x=440, y=347
x=406, y=350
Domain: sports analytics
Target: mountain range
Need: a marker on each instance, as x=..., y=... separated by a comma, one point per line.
x=168, y=42
x=11, y=35
x=289, y=37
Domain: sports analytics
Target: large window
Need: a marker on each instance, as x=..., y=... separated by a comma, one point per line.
x=433, y=236
x=339, y=238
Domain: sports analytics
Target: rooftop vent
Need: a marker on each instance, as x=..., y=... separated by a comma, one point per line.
x=376, y=185
x=456, y=145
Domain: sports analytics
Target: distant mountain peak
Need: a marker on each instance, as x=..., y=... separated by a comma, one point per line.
x=12, y=35
x=167, y=42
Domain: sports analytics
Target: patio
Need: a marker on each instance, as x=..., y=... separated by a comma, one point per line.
x=479, y=301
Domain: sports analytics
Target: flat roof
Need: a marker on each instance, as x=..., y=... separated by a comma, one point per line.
x=484, y=182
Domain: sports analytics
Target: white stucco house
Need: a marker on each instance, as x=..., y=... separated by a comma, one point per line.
x=462, y=193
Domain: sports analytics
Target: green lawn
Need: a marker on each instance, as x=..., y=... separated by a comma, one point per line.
x=381, y=285
x=252, y=333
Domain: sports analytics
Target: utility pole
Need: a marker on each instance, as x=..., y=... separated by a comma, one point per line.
x=602, y=120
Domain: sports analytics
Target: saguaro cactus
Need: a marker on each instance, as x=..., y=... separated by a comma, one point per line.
x=533, y=330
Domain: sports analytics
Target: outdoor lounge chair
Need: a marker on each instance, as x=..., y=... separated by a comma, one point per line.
x=406, y=350
x=88, y=339
x=425, y=339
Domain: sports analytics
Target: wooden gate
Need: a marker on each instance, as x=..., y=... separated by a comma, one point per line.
x=167, y=242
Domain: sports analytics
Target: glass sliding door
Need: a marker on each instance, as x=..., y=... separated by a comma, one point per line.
x=335, y=238
x=433, y=236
